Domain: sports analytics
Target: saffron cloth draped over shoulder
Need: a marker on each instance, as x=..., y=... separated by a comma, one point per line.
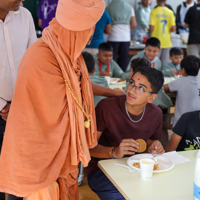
x=45, y=137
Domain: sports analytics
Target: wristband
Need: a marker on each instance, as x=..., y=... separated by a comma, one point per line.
x=111, y=153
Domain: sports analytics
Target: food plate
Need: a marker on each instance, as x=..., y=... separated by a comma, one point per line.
x=116, y=81
x=165, y=163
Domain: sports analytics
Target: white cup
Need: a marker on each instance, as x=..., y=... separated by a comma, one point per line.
x=146, y=168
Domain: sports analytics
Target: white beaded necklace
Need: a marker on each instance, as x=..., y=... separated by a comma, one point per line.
x=131, y=118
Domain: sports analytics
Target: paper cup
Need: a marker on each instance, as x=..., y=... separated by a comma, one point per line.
x=146, y=168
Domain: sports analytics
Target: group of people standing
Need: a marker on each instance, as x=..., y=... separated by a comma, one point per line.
x=127, y=24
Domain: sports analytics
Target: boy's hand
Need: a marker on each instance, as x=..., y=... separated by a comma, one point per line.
x=126, y=147
x=156, y=147
x=174, y=72
x=4, y=112
x=104, y=73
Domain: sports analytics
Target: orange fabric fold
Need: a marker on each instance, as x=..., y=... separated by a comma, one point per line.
x=51, y=192
x=45, y=137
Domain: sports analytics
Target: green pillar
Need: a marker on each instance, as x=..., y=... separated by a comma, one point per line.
x=32, y=6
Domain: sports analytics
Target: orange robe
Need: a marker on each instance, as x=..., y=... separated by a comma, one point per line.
x=45, y=137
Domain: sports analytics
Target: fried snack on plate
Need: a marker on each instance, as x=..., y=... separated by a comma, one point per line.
x=142, y=145
x=156, y=165
x=117, y=89
x=121, y=80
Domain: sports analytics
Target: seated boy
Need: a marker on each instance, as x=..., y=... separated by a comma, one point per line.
x=121, y=121
x=150, y=52
x=173, y=68
x=101, y=82
x=186, y=133
x=104, y=63
x=163, y=101
x=187, y=99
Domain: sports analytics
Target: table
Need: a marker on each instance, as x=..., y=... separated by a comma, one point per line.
x=176, y=184
x=135, y=48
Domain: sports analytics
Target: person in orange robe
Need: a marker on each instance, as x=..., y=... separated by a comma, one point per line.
x=51, y=124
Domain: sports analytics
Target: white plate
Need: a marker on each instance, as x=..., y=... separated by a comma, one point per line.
x=114, y=81
x=165, y=163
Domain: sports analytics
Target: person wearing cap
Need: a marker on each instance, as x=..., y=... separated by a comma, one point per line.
x=51, y=124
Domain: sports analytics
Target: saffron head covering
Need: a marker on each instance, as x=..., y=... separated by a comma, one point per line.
x=79, y=15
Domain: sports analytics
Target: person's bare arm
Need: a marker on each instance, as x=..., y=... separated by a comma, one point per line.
x=126, y=147
x=151, y=28
x=186, y=25
x=166, y=88
x=108, y=29
x=174, y=142
x=40, y=23
x=173, y=29
x=5, y=111
x=100, y=151
x=133, y=22
x=104, y=91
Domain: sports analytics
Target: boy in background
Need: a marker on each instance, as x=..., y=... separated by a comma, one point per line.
x=187, y=99
x=89, y=61
x=161, y=24
x=173, y=68
x=101, y=89
x=186, y=133
x=104, y=63
x=150, y=52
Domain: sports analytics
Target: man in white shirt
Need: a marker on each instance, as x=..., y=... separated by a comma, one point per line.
x=17, y=33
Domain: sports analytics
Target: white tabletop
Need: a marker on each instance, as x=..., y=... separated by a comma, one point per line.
x=176, y=184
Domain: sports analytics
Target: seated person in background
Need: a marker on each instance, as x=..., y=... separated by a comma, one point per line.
x=101, y=83
x=186, y=133
x=173, y=68
x=123, y=120
x=187, y=99
x=142, y=15
x=150, y=52
x=102, y=26
x=89, y=61
x=104, y=63
x=163, y=101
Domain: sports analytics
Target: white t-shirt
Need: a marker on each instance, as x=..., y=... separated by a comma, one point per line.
x=17, y=33
x=187, y=99
x=121, y=32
